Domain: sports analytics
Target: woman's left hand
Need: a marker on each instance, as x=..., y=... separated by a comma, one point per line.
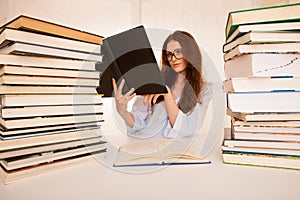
x=151, y=99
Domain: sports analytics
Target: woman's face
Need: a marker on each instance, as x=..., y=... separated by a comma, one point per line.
x=174, y=50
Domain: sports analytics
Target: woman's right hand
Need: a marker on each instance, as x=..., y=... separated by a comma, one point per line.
x=122, y=100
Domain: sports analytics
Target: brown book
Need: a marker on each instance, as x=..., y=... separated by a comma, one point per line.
x=9, y=36
x=47, y=81
x=37, y=71
x=19, y=48
x=49, y=147
x=18, y=162
x=10, y=176
x=43, y=62
x=45, y=130
x=19, y=123
x=47, y=100
x=16, y=89
x=39, y=111
x=48, y=139
x=45, y=27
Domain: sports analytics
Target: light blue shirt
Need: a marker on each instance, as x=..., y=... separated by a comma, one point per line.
x=153, y=122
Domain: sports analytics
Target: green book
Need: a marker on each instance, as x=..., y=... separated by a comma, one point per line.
x=281, y=13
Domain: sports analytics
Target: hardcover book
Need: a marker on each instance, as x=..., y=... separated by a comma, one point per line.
x=19, y=162
x=280, y=26
x=256, y=37
x=44, y=62
x=262, y=48
x=267, y=116
x=261, y=84
x=263, y=160
x=20, y=48
x=47, y=81
x=9, y=36
x=19, y=123
x=7, y=134
x=24, y=70
x=28, y=89
x=10, y=176
x=48, y=139
x=281, y=13
x=281, y=102
x=129, y=56
x=49, y=147
x=49, y=28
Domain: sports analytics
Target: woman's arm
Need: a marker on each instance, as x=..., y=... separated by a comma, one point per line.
x=171, y=105
x=122, y=101
x=188, y=124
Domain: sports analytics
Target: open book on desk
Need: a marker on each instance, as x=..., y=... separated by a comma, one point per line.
x=128, y=55
x=161, y=152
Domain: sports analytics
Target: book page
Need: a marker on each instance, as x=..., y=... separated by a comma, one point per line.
x=138, y=154
x=179, y=152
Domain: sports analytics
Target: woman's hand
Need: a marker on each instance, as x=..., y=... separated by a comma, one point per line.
x=122, y=101
x=171, y=106
x=151, y=99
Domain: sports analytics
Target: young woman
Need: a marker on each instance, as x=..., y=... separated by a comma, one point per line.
x=181, y=111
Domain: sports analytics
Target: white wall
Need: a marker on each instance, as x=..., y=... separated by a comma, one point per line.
x=3, y=11
x=97, y=16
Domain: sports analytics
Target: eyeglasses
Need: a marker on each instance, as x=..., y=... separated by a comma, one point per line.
x=177, y=53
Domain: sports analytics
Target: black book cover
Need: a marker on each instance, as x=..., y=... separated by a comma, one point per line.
x=128, y=55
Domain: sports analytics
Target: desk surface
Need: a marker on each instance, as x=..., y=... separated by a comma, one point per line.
x=94, y=180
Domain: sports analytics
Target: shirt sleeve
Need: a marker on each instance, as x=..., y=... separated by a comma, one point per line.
x=188, y=124
x=140, y=113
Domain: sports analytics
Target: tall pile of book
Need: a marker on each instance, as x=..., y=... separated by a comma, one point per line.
x=262, y=69
x=51, y=113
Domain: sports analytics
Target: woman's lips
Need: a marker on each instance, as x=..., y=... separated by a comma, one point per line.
x=176, y=65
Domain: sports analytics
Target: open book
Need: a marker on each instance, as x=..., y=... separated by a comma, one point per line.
x=162, y=152
x=128, y=55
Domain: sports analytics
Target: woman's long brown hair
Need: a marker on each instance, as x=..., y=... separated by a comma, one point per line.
x=193, y=79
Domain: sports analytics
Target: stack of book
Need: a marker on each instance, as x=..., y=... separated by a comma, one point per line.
x=51, y=113
x=262, y=59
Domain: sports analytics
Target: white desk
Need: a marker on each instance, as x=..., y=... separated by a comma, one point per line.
x=94, y=180
x=216, y=181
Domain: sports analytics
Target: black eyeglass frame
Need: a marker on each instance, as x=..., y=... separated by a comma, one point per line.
x=168, y=53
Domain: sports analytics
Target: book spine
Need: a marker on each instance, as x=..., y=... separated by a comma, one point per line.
x=109, y=69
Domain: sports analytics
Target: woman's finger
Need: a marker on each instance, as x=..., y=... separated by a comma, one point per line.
x=145, y=99
x=132, y=96
x=129, y=92
x=114, y=86
x=121, y=87
x=155, y=98
x=150, y=99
